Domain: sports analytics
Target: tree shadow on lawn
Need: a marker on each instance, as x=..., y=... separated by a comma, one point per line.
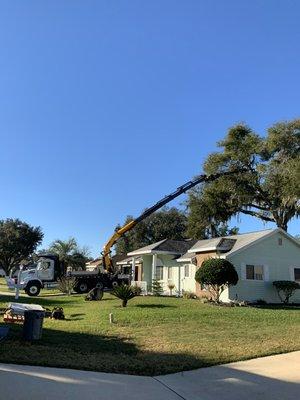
x=47, y=302
x=292, y=307
x=77, y=315
x=104, y=353
x=154, y=306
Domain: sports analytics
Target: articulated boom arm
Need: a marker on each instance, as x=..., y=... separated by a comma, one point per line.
x=107, y=261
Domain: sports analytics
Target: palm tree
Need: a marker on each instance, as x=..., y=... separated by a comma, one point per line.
x=64, y=248
x=70, y=253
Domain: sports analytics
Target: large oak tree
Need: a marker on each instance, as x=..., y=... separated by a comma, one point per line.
x=269, y=186
x=18, y=240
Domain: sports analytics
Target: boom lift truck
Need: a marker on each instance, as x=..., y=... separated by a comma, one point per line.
x=50, y=269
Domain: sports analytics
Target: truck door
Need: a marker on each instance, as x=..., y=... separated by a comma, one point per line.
x=45, y=270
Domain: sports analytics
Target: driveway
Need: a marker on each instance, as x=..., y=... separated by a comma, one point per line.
x=274, y=378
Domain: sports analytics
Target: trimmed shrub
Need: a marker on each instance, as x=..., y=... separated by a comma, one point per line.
x=217, y=274
x=285, y=290
x=157, y=289
x=187, y=294
x=260, y=302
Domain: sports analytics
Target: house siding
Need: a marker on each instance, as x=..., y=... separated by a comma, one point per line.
x=177, y=273
x=277, y=261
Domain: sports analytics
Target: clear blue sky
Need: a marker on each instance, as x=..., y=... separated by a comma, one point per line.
x=106, y=106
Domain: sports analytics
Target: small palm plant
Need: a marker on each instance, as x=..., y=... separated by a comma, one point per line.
x=124, y=293
x=66, y=284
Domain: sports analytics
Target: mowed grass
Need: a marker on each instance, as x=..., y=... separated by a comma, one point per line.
x=3, y=285
x=153, y=335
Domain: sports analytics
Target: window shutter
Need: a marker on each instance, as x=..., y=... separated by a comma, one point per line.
x=266, y=273
x=292, y=274
x=243, y=271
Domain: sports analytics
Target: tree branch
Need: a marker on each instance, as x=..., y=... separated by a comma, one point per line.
x=257, y=206
x=257, y=215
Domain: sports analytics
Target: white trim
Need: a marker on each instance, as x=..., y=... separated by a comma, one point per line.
x=292, y=272
x=133, y=268
x=154, y=263
x=203, y=249
x=243, y=272
x=266, y=273
x=184, y=260
x=184, y=270
x=138, y=260
x=144, y=252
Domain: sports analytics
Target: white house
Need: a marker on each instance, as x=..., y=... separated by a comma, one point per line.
x=158, y=261
x=259, y=258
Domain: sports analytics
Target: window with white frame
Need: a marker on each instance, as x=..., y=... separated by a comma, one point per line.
x=255, y=272
x=297, y=274
x=159, y=273
x=186, y=271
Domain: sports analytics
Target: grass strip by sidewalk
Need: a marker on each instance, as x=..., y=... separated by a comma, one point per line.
x=152, y=336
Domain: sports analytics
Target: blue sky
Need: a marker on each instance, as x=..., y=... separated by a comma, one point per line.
x=106, y=106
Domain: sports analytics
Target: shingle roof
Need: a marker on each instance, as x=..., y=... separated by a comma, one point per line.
x=229, y=244
x=165, y=246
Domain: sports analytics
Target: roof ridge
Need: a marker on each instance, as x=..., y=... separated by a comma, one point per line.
x=238, y=234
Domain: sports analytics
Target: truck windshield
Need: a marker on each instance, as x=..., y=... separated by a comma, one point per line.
x=43, y=265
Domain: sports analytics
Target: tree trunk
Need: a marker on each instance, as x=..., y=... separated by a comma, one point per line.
x=124, y=303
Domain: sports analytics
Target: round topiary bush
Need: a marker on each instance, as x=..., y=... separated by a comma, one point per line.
x=286, y=289
x=217, y=274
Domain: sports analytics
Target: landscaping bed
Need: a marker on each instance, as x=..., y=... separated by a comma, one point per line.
x=153, y=335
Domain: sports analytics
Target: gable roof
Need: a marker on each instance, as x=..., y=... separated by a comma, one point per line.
x=167, y=246
x=187, y=257
x=235, y=243
x=128, y=261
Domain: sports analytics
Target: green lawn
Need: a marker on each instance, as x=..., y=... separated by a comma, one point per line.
x=152, y=335
x=3, y=286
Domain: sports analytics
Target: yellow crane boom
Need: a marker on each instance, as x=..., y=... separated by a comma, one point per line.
x=106, y=254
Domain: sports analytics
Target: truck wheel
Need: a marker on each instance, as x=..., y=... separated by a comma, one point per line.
x=81, y=287
x=115, y=284
x=100, y=286
x=33, y=289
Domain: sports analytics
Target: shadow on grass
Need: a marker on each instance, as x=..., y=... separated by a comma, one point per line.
x=48, y=302
x=77, y=315
x=92, y=352
x=154, y=306
x=291, y=307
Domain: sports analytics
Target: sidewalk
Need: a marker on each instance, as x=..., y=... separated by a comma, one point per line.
x=268, y=378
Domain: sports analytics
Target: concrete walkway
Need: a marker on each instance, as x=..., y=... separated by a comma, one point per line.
x=268, y=378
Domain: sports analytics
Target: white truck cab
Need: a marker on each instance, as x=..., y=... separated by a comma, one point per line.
x=32, y=280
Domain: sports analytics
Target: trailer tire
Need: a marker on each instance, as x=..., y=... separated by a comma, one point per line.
x=81, y=287
x=33, y=288
x=115, y=284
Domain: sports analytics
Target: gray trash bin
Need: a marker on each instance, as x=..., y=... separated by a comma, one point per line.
x=33, y=324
